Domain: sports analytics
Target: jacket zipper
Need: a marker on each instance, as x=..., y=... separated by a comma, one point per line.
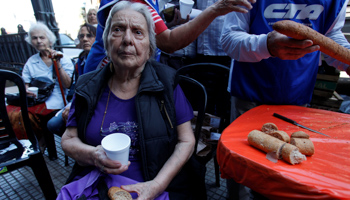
x=166, y=113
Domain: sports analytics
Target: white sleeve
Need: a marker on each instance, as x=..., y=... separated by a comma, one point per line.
x=337, y=35
x=26, y=73
x=67, y=65
x=238, y=43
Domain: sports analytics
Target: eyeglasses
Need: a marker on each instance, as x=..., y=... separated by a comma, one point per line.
x=122, y=127
x=81, y=36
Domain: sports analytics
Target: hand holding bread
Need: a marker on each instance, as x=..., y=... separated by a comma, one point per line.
x=116, y=193
x=302, y=32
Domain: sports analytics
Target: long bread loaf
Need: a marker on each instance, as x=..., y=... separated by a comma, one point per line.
x=265, y=142
x=302, y=32
x=268, y=144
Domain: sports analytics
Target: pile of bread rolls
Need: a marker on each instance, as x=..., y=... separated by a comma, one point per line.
x=293, y=149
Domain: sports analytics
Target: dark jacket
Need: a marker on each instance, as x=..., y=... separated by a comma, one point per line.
x=156, y=118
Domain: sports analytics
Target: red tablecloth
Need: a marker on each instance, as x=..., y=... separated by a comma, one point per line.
x=325, y=175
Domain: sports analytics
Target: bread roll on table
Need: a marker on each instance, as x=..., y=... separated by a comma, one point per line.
x=305, y=146
x=291, y=154
x=281, y=135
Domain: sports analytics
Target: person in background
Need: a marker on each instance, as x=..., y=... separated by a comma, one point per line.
x=270, y=68
x=135, y=95
x=208, y=43
x=167, y=40
x=86, y=36
x=92, y=17
x=40, y=65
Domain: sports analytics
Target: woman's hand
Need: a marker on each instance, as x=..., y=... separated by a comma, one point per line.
x=105, y=164
x=31, y=94
x=54, y=54
x=225, y=6
x=65, y=113
x=145, y=190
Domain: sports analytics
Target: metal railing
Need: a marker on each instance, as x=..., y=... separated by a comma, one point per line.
x=14, y=50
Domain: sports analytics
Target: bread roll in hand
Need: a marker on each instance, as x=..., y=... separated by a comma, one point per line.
x=116, y=193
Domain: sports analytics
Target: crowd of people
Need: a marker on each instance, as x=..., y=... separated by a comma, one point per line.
x=125, y=78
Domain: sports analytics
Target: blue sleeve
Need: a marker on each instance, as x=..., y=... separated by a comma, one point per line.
x=97, y=52
x=183, y=108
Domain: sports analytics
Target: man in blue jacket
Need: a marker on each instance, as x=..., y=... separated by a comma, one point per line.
x=270, y=68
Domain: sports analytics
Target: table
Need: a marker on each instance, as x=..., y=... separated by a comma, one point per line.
x=325, y=175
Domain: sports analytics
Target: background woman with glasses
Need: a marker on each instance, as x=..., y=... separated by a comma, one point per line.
x=86, y=36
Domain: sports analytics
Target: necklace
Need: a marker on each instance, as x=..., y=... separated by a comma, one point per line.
x=104, y=115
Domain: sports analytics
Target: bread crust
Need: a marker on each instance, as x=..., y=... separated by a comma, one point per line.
x=269, y=127
x=291, y=154
x=305, y=145
x=281, y=135
x=116, y=193
x=300, y=134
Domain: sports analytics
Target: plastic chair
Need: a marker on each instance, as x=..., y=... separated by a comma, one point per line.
x=197, y=96
x=214, y=77
x=16, y=158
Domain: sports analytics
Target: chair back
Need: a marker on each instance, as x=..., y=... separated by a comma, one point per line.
x=8, y=134
x=214, y=77
x=197, y=96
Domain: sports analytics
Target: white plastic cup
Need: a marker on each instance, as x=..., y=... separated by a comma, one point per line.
x=35, y=90
x=185, y=8
x=116, y=146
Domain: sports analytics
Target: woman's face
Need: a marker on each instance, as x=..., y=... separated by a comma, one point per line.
x=92, y=19
x=86, y=39
x=39, y=40
x=128, y=39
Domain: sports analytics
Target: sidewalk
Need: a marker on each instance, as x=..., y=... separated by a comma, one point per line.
x=22, y=184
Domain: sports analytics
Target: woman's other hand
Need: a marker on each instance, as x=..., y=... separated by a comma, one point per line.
x=106, y=165
x=145, y=190
x=65, y=113
x=31, y=94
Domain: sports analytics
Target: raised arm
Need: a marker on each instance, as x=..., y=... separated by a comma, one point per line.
x=178, y=38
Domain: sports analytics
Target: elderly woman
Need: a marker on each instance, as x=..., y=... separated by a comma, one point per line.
x=92, y=17
x=40, y=66
x=136, y=96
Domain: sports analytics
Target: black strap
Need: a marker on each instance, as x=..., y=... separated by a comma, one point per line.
x=102, y=189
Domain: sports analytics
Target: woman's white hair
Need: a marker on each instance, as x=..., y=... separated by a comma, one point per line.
x=40, y=26
x=138, y=7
